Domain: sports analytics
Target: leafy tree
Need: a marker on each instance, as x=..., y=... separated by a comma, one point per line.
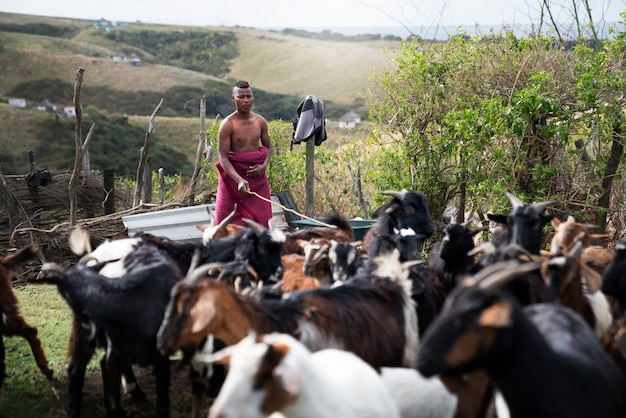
x=472, y=117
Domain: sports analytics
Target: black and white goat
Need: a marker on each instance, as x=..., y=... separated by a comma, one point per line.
x=544, y=359
x=276, y=373
x=259, y=247
x=129, y=311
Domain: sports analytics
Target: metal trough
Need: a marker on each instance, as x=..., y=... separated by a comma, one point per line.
x=180, y=224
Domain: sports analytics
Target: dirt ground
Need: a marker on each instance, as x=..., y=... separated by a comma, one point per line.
x=92, y=406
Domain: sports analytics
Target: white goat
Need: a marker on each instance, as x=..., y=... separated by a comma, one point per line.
x=275, y=373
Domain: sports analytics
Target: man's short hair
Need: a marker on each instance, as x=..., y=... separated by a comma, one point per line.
x=242, y=84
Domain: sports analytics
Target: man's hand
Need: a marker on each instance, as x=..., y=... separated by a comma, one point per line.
x=243, y=186
x=255, y=171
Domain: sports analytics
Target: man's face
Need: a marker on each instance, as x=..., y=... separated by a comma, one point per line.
x=243, y=98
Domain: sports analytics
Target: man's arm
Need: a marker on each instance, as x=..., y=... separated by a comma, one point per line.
x=223, y=149
x=265, y=141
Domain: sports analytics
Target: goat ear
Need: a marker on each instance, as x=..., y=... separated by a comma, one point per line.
x=79, y=241
x=498, y=218
x=287, y=372
x=219, y=357
x=202, y=313
x=591, y=277
x=497, y=315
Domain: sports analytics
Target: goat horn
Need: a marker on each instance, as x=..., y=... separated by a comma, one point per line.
x=478, y=230
x=577, y=248
x=398, y=195
x=506, y=272
x=227, y=219
x=493, y=268
x=256, y=227
x=202, y=271
x=515, y=250
x=195, y=258
x=485, y=247
x=541, y=206
x=515, y=201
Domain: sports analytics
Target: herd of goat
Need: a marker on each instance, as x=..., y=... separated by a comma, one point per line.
x=311, y=323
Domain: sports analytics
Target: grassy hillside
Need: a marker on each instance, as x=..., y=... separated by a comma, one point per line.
x=332, y=70
x=283, y=68
x=336, y=71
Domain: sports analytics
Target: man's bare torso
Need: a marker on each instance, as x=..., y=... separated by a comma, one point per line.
x=245, y=133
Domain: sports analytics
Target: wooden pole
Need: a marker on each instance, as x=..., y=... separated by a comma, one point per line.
x=147, y=180
x=143, y=155
x=309, y=184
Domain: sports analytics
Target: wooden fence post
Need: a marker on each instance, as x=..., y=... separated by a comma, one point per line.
x=147, y=180
x=310, y=178
x=109, y=191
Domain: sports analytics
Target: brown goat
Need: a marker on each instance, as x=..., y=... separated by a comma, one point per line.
x=223, y=229
x=374, y=319
x=343, y=233
x=294, y=278
x=568, y=232
x=14, y=322
x=317, y=263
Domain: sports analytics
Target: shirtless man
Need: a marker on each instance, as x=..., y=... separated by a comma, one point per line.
x=244, y=151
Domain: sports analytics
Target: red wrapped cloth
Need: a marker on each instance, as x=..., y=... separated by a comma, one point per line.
x=249, y=206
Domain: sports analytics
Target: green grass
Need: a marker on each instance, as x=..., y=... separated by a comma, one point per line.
x=27, y=393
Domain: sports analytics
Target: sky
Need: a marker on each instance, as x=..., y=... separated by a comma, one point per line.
x=324, y=14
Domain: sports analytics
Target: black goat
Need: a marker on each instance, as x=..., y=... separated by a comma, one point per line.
x=614, y=277
x=129, y=310
x=449, y=258
x=256, y=245
x=523, y=229
x=544, y=359
x=524, y=224
x=405, y=210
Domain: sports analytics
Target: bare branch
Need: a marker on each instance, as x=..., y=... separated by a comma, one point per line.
x=144, y=153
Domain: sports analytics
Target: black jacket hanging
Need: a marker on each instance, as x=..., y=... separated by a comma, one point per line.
x=309, y=121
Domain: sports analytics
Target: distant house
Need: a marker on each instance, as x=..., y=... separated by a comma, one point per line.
x=134, y=59
x=107, y=25
x=349, y=120
x=69, y=111
x=47, y=106
x=119, y=56
x=17, y=102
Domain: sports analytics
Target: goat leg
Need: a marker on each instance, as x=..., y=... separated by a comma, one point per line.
x=130, y=383
x=162, y=376
x=111, y=377
x=16, y=325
